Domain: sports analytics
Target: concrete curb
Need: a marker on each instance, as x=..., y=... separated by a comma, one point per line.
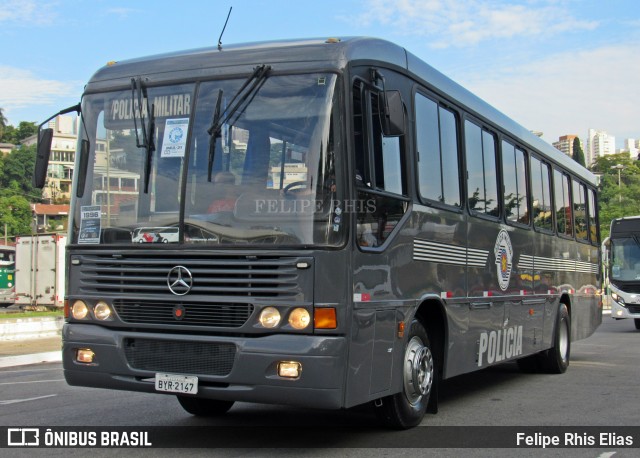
x=30, y=328
x=35, y=358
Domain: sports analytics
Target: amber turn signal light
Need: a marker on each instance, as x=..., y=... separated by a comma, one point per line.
x=325, y=318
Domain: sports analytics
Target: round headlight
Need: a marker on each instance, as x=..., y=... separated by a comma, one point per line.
x=269, y=317
x=299, y=318
x=79, y=310
x=102, y=311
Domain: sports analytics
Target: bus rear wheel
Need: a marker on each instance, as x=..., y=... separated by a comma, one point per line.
x=202, y=407
x=406, y=409
x=556, y=359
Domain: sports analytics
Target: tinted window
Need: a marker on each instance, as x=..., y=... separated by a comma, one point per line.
x=541, y=192
x=481, y=170
x=514, y=175
x=562, y=203
x=580, y=210
x=437, y=141
x=593, y=216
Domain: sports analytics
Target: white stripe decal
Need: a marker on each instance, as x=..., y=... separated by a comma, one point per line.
x=442, y=253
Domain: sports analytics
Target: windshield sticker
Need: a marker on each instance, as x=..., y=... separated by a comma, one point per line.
x=89, y=224
x=163, y=106
x=174, y=142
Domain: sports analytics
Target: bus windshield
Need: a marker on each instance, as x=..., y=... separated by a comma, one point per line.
x=223, y=164
x=625, y=259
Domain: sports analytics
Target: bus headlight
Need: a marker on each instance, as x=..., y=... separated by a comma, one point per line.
x=299, y=318
x=79, y=310
x=617, y=298
x=269, y=317
x=102, y=311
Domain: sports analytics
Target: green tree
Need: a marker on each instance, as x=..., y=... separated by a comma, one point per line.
x=578, y=154
x=15, y=213
x=17, y=172
x=617, y=198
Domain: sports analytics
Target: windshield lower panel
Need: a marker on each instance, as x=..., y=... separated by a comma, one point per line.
x=265, y=175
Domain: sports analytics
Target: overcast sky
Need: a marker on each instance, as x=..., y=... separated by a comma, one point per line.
x=556, y=66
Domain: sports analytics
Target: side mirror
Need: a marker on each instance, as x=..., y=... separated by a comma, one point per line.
x=392, y=113
x=45, y=137
x=82, y=167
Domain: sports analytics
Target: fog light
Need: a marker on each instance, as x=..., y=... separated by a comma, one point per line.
x=299, y=318
x=289, y=369
x=85, y=355
x=102, y=311
x=79, y=310
x=619, y=312
x=269, y=317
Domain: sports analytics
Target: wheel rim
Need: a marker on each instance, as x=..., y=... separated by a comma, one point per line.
x=563, y=340
x=418, y=371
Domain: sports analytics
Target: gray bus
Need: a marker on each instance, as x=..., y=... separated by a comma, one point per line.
x=353, y=227
x=622, y=268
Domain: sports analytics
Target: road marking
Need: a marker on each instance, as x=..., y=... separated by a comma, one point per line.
x=607, y=455
x=34, y=381
x=591, y=363
x=15, y=401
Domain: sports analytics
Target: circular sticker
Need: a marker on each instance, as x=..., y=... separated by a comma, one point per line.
x=176, y=134
x=504, y=258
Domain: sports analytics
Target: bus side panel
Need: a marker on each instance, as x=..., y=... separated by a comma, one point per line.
x=587, y=310
x=439, y=273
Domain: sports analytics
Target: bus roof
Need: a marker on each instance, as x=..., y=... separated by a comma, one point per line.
x=317, y=53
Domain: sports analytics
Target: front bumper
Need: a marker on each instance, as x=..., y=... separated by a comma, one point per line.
x=619, y=312
x=252, y=377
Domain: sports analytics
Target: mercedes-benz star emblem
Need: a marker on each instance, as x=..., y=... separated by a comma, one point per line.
x=179, y=280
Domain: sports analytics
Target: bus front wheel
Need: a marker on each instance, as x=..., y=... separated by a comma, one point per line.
x=202, y=407
x=637, y=323
x=406, y=409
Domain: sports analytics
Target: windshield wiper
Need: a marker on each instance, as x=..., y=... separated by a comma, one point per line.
x=214, y=133
x=148, y=130
x=242, y=98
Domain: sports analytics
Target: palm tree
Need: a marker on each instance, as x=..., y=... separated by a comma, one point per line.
x=3, y=122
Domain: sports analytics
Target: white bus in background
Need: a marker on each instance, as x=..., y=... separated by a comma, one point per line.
x=622, y=268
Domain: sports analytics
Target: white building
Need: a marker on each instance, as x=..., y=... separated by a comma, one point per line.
x=631, y=146
x=599, y=143
x=62, y=159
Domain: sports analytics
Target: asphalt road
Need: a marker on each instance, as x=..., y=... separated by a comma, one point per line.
x=599, y=389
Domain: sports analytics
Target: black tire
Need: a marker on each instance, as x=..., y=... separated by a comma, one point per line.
x=419, y=374
x=202, y=407
x=637, y=323
x=556, y=359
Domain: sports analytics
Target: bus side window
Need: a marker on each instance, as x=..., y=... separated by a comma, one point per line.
x=514, y=176
x=593, y=221
x=580, y=211
x=564, y=216
x=437, y=142
x=482, y=178
x=541, y=192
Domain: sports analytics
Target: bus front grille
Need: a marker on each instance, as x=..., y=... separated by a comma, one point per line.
x=193, y=358
x=137, y=275
x=224, y=315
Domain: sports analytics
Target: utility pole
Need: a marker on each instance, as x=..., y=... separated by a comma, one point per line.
x=619, y=167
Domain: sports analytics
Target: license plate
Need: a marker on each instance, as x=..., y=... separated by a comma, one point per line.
x=172, y=383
